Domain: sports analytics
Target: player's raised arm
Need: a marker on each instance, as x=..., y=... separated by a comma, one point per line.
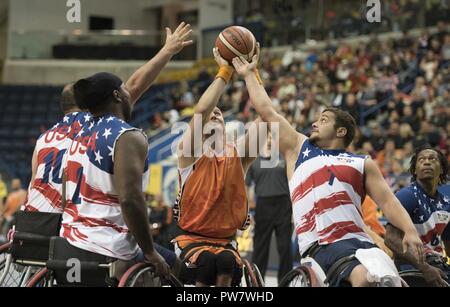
x=289, y=138
x=141, y=80
x=204, y=108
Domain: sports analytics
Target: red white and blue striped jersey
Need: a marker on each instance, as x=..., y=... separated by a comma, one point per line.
x=430, y=215
x=44, y=192
x=92, y=218
x=327, y=189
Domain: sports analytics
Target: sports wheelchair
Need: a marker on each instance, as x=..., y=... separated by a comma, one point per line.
x=37, y=256
x=414, y=278
x=310, y=274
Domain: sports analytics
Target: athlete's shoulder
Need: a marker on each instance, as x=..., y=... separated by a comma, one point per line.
x=407, y=195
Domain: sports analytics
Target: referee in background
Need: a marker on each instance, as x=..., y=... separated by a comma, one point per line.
x=273, y=211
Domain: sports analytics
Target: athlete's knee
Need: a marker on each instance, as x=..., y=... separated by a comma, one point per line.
x=226, y=263
x=358, y=277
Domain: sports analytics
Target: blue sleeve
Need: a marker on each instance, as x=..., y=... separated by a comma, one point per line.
x=407, y=199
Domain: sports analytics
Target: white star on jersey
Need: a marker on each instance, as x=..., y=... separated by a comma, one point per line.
x=98, y=157
x=107, y=133
x=421, y=218
x=109, y=119
x=81, y=132
x=66, y=119
x=439, y=205
x=446, y=199
x=91, y=126
x=86, y=118
x=110, y=151
x=123, y=129
x=100, y=121
x=306, y=153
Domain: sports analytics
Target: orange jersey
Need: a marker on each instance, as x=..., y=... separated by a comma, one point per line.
x=369, y=212
x=213, y=200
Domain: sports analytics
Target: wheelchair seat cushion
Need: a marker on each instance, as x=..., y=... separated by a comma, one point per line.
x=63, y=257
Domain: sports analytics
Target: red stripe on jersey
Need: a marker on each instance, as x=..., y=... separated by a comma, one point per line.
x=44, y=153
x=72, y=210
x=308, y=222
x=338, y=230
x=332, y=201
x=67, y=232
x=52, y=195
x=325, y=204
x=343, y=173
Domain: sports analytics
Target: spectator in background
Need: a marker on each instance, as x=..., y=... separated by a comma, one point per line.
x=273, y=211
x=161, y=220
x=406, y=134
x=339, y=98
x=287, y=88
x=376, y=136
x=445, y=53
x=410, y=118
x=429, y=65
x=15, y=199
x=386, y=156
x=351, y=106
x=3, y=192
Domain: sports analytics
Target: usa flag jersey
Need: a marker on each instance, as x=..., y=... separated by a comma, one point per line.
x=44, y=192
x=327, y=189
x=430, y=215
x=92, y=218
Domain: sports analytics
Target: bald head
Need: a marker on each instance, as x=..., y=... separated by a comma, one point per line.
x=67, y=102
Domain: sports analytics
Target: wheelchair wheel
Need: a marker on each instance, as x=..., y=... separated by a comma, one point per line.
x=258, y=275
x=414, y=278
x=42, y=279
x=142, y=275
x=301, y=276
x=3, y=249
x=251, y=279
x=13, y=274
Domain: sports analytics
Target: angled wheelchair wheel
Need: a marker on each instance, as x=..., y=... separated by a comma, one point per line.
x=301, y=276
x=414, y=278
x=143, y=275
x=251, y=279
x=3, y=254
x=40, y=279
x=12, y=274
x=258, y=275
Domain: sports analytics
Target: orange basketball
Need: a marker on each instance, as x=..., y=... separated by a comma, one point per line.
x=236, y=41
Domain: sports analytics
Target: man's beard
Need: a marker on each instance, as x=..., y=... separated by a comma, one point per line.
x=314, y=139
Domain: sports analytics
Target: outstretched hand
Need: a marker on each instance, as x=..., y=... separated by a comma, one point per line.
x=243, y=67
x=177, y=40
x=220, y=61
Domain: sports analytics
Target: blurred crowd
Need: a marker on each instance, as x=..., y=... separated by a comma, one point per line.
x=397, y=90
x=287, y=22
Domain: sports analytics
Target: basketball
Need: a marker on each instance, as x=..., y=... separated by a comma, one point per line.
x=236, y=41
